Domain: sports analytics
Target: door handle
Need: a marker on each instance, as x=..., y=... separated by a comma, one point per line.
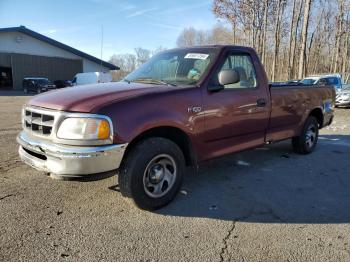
x=261, y=102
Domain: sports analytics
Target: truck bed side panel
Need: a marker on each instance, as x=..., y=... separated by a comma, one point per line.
x=291, y=105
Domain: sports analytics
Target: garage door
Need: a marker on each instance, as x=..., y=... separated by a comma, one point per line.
x=54, y=68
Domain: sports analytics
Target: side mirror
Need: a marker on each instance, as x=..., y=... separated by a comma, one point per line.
x=228, y=76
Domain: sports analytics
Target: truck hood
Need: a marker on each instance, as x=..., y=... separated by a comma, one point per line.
x=88, y=97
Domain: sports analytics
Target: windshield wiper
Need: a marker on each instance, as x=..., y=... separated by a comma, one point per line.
x=158, y=81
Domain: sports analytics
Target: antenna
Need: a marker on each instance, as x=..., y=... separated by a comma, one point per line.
x=101, y=47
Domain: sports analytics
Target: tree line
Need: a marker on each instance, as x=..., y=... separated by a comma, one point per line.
x=294, y=38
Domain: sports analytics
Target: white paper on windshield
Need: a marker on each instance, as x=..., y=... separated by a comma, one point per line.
x=196, y=56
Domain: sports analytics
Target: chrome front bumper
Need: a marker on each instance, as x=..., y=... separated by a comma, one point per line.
x=68, y=161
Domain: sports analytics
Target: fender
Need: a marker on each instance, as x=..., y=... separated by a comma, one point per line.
x=134, y=116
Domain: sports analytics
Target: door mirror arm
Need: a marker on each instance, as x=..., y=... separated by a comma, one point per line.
x=215, y=88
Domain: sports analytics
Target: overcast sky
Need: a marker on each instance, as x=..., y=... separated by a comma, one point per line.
x=126, y=24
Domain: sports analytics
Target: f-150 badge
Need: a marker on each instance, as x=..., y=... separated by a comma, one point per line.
x=194, y=109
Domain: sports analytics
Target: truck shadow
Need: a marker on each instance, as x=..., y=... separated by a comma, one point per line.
x=272, y=185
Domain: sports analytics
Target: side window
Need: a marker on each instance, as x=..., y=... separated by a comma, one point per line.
x=323, y=81
x=244, y=66
x=333, y=81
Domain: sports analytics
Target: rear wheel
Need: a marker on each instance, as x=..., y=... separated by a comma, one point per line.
x=152, y=173
x=307, y=141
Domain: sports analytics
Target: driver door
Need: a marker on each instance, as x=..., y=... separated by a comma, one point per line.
x=236, y=117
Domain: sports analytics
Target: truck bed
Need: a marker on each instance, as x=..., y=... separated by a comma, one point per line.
x=290, y=104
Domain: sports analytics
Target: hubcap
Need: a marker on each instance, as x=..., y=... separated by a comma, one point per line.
x=310, y=136
x=159, y=176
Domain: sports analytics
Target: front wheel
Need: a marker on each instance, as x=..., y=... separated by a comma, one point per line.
x=152, y=173
x=306, y=142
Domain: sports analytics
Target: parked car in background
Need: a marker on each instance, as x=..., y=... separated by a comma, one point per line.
x=182, y=107
x=343, y=97
x=62, y=83
x=287, y=83
x=333, y=80
x=293, y=82
x=37, y=85
x=92, y=78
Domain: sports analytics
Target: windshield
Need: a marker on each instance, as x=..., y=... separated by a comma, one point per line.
x=308, y=81
x=175, y=67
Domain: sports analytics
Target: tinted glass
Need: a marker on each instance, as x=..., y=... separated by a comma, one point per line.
x=333, y=81
x=308, y=81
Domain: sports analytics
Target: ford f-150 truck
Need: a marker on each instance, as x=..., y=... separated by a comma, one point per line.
x=182, y=107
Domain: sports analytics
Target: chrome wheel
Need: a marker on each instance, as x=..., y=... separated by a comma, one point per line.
x=159, y=176
x=310, y=136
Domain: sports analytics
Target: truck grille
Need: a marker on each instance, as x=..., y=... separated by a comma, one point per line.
x=38, y=123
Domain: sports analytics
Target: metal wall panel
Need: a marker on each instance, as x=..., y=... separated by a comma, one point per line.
x=5, y=60
x=54, y=68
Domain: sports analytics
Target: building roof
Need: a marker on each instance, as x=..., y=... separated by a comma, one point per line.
x=24, y=30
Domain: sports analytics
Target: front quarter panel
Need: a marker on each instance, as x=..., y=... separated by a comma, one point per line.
x=134, y=116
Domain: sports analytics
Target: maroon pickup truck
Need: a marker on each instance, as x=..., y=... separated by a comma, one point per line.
x=180, y=108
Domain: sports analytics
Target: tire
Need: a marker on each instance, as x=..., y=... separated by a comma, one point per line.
x=152, y=173
x=307, y=141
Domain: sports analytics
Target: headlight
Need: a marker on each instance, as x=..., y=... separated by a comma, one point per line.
x=84, y=129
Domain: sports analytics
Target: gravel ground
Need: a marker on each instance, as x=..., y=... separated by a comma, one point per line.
x=267, y=204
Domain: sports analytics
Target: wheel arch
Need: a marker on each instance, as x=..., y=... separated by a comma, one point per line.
x=318, y=114
x=176, y=135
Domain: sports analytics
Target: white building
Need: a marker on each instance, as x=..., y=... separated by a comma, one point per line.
x=25, y=53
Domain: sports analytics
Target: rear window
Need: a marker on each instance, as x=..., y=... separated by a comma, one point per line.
x=308, y=81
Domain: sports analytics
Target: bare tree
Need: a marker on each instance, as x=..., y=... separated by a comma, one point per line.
x=339, y=35
x=142, y=55
x=220, y=35
x=295, y=18
x=293, y=37
x=264, y=33
x=187, y=37
x=126, y=62
x=304, y=36
x=277, y=35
